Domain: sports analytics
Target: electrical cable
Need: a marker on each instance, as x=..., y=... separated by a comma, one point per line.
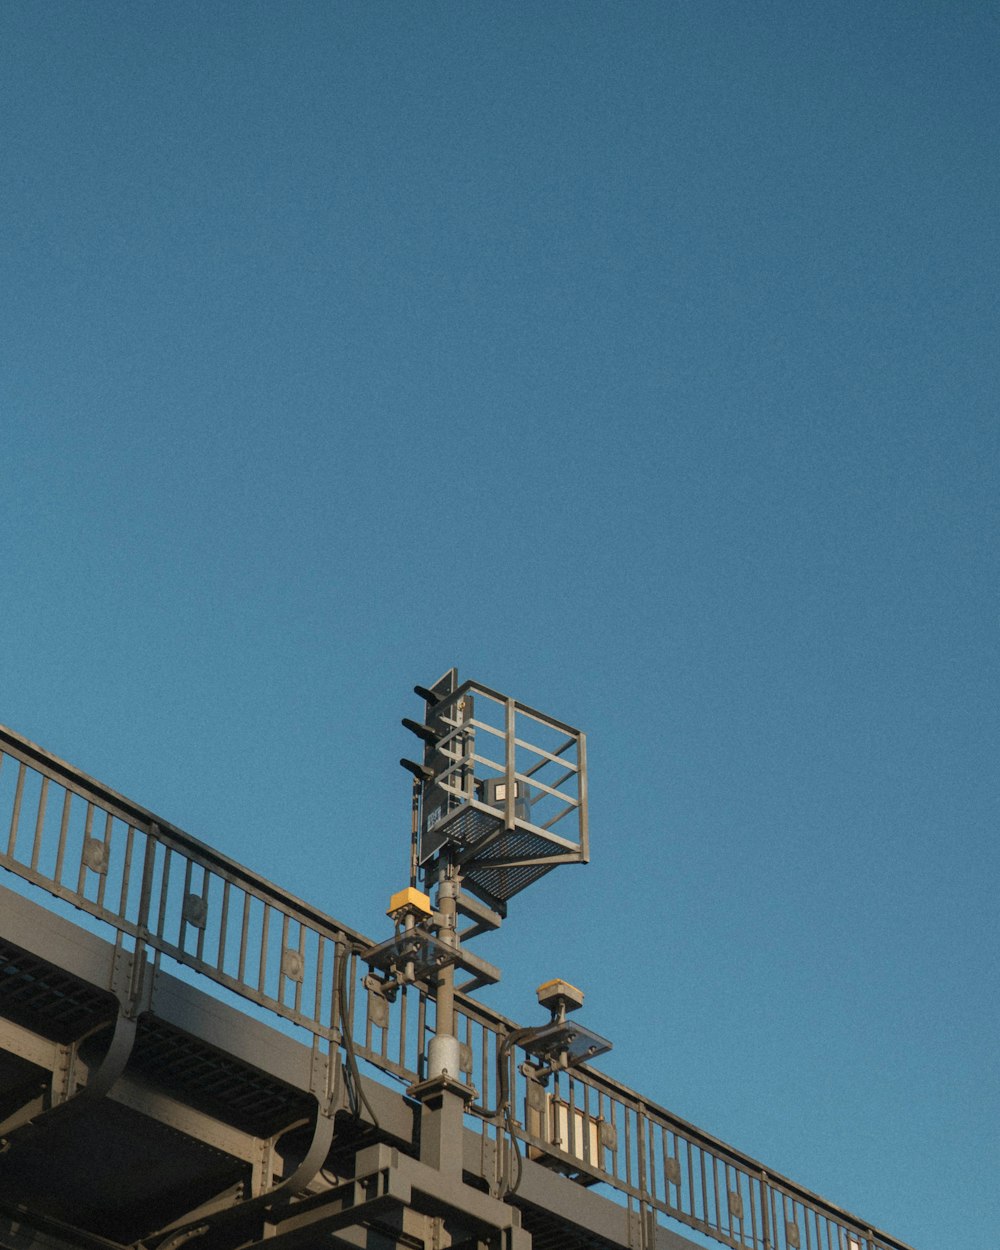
x=415, y=834
x=503, y=1108
x=355, y=1084
x=509, y=1127
x=508, y=1041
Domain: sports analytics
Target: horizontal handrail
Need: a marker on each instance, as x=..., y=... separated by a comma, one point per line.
x=87, y=844
x=70, y=776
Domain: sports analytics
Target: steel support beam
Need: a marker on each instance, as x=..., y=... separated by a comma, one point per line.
x=70, y=1084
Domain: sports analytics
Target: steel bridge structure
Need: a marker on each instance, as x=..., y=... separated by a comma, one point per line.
x=145, y=1108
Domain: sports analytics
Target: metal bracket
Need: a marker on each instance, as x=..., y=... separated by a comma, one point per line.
x=133, y=979
x=484, y=919
x=63, y=1093
x=417, y=955
x=326, y=1079
x=327, y=1086
x=560, y=1044
x=641, y=1227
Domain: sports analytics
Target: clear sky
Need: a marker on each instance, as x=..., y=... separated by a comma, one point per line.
x=641, y=360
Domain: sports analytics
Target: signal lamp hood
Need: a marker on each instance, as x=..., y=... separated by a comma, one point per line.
x=420, y=771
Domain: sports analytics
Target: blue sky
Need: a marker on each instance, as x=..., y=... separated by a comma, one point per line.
x=641, y=361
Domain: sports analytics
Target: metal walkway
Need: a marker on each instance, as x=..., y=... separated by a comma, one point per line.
x=139, y=1111
x=210, y=1113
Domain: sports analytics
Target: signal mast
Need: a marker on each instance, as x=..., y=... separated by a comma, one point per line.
x=499, y=800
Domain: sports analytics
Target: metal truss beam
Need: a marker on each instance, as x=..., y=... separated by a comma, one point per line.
x=70, y=1082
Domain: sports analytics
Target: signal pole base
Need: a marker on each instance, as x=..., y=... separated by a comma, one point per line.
x=444, y=1101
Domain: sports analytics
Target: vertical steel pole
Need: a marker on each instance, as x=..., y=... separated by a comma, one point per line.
x=443, y=1050
x=510, y=765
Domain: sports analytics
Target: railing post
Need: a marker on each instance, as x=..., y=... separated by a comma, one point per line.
x=765, y=1226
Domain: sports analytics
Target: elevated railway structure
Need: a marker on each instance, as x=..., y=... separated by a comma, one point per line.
x=144, y=1108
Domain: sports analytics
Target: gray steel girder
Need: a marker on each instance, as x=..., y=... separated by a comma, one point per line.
x=70, y=1085
x=167, y=1114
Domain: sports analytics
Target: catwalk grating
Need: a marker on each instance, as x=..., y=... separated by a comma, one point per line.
x=48, y=1000
x=200, y=1075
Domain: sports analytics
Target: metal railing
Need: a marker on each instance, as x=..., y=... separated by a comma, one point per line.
x=163, y=889
x=99, y=851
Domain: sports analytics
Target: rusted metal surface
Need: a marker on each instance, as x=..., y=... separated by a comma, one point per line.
x=166, y=891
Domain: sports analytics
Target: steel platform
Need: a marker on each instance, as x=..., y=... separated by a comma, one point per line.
x=210, y=1105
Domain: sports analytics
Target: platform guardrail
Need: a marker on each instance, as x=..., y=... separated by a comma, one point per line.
x=160, y=888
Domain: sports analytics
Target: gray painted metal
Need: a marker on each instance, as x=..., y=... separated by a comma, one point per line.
x=498, y=778
x=167, y=894
x=192, y=1166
